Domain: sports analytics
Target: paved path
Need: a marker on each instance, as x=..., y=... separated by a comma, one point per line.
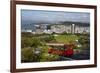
x=55, y=44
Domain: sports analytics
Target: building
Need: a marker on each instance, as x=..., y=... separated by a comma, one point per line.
x=81, y=29
x=61, y=28
x=71, y=27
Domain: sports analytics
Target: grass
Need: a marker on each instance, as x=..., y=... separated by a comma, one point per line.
x=66, y=38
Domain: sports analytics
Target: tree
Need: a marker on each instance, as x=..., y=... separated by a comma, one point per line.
x=36, y=42
x=64, y=33
x=27, y=55
x=26, y=42
x=48, y=27
x=26, y=34
x=85, y=41
x=48, y=38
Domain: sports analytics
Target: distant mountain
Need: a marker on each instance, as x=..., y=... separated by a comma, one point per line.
x=76, y=23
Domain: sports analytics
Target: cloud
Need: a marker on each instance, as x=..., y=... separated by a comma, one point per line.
x=54, y=16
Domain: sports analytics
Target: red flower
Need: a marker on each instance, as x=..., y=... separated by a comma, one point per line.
x=68, y=52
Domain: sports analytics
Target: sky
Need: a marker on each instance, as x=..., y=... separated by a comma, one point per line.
x=40, y=16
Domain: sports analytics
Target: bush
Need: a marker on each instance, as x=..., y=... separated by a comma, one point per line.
x=48, y=38
x=27, y=55
x=85, y=41
x=64, y=33
x=26, y=34
x=26, y=42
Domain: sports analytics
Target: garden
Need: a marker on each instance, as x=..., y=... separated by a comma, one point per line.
x=34, y=47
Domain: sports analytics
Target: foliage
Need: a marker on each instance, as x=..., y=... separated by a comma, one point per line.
x=53, y=33
x=45, y=56
x=26, y=34
x=36, y=42
x=49, y=27
x=27, y=55
x=47, y=38
x=26, y=42
x=50, y=38
x=30, y=43
x=64, y=33
x=85, y=41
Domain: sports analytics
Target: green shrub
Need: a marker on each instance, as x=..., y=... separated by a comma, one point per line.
x=27, y=55
x=26, y=42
